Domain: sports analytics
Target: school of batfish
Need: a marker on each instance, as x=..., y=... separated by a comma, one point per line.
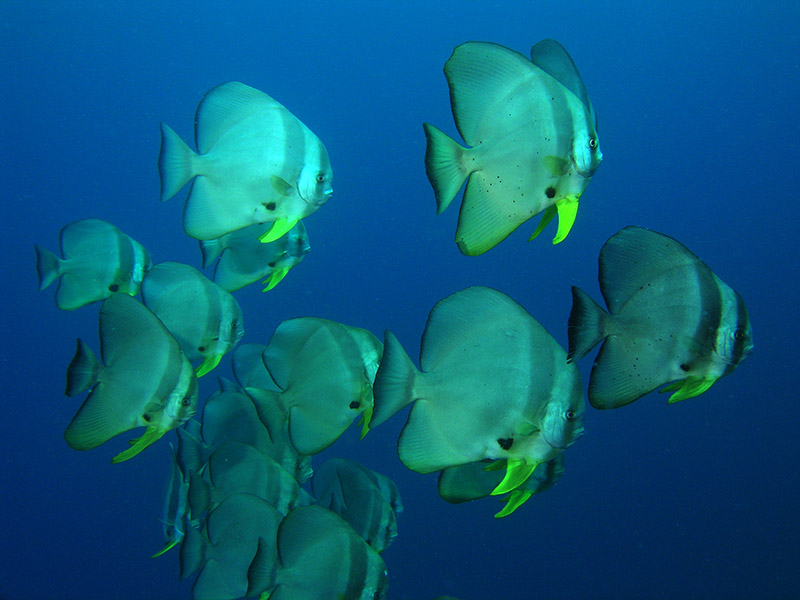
x=495, y=401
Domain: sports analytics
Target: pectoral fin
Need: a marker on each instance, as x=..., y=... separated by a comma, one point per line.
x=151, y=435
x=515, y=499
x=278, y=229
x=281, y=186
x=687, y=388
x=517, y=472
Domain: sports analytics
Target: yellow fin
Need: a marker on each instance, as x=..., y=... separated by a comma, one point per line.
x=279, y=227
x=166, y=548
x=275, y=278
x=688, y=388
x=366, y=417
x=208, y=364
x=567, y=211
x=517, y=472
x=547, y=216
x=495, y=465
x=151, y=435
x=514, y=500
x=281, y=186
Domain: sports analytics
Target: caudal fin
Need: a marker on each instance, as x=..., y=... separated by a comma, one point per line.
x=48, y=266
x=394, y=381
x=175, y=163
x=586, y=325
x=444, y=166
x=82, y=371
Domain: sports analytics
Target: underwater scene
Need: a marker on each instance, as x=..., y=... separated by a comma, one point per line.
x=413, y=300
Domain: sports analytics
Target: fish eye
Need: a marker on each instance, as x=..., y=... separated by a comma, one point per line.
x=320, y=177
x=592, y=143
x=186, y=401
x=738, y=334
x=569, y=415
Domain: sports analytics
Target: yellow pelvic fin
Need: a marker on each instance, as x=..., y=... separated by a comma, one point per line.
x=547, y=216
x=517, y=472
x=208, y=364
x=165, y=548
x=274, y=279
x=279, y=227
x=495, y=465
x=688, y=388
x=366, y=417
x=151, y=435
x=567, y=211
x=514, y=500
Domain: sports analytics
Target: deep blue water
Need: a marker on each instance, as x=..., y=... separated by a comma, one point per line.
x=697, y=107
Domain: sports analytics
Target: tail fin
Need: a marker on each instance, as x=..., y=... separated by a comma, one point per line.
x=211, y=250
x=394, y=382
x=262, y=571
x=199, y=496
x=174, y=163
x=444, y=166
x=82, y=371
x=48, y=266
x=586, y=325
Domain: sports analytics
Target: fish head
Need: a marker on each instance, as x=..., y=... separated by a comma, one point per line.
x=315, y=183
x=562, y=424
x=297, y=244
x=586, y=154
x=735, y=340
x=181, y=404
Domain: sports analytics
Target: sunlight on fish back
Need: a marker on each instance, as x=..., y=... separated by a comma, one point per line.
x=256, y=163
x=532, y=137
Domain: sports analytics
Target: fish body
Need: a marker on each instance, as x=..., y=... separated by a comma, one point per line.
x=670, y=319
x=98, y=260
x=144, y=380
x=223, y=546
x=235, y=468
x=205, y=319
x=493, y=384
x=532, y=142
x=256, y=163
x=244, y=260
x=325, y=371
x=318, y=555
x=351, y=490
x=175, y=506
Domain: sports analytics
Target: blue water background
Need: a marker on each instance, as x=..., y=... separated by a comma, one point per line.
x=697, y=106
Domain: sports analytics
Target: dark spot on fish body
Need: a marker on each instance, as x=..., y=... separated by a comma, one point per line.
x=147, y=417
x=505, y=443
x=271, y=264
x=113, y=287
x=270, y=206
x=201, y=348
x=685, y=367
x=550, y=192
x=355, y=404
